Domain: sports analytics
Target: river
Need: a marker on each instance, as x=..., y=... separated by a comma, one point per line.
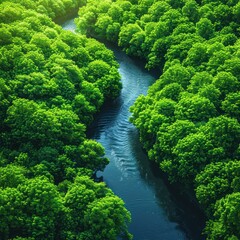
x=157, y=212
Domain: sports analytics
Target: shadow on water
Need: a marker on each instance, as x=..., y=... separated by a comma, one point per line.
x=159, y=211
x=176, y=207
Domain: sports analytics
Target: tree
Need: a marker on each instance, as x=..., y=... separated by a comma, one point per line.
x=89, y=154
x=212, y=93
x=42, y=42
x=171, y=91
x=23, y=238
x=110, y=84
x=34, y=86
x=157, y=9
x=172, y=18
x=11, y=212
x=98, y=51
x=226, y=218
x=223, y=15
x=113, y=32
x=106, y=218
x=12, y=175
x=76, y=200
x=195, y=108
x=102, y=24
x=126, y=34
x=85, y=24
x=191, y=156
x=83, y=109
x=4, y=99
x=226, y=83
x=231, y=105
x=217, y=59
x=215, y=182
x=236, y=12
x=9, y=57
x=141, y=104
x=197, y=56
x=136, y=42
x=97, y=69
x=199, y=80
x=115, y=12
x=42, y=207
x=232, y=66
x=165, y=107
x=229, y=39
x=29, y=122
x=191, y=10
x=80, y=56
x=168, y=137
x=92, y=94
x=181, y=43
x=59, y=46
x=205, y=28
x=174, y=74
x=6, y=36
x=223, y=132
x=148, y=120
x=11, y=12
x=94, y=211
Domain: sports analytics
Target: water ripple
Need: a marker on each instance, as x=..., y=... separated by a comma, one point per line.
x=155, y=216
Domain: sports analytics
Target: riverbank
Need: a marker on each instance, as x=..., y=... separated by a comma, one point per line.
x=179, y=119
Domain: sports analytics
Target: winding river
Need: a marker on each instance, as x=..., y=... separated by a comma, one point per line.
x=157, y=212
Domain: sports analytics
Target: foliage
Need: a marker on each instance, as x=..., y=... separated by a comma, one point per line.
x=52, y=83
x=189, y=120
x=226, y=218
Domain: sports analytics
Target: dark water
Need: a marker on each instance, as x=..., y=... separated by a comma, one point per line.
x=157, y=213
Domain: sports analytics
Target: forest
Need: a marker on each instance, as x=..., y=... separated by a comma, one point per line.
x=189, y=120
x=52, y=82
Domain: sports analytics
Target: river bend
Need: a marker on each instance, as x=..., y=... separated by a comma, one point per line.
x=156, y=214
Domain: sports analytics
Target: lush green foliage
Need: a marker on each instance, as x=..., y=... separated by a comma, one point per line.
x=189, y=121
x=52, y=83
x=53, y=8
x=35, y=207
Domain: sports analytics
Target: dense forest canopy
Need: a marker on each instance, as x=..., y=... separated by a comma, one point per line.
x=52, y=82
x=189, y=120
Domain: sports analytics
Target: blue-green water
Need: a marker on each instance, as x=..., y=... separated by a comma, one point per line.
x=157, y=214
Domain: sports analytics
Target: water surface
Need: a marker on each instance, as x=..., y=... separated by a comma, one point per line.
x=156, y=214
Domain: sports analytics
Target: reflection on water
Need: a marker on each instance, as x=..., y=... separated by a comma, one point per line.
x=69, y=25
x=156, y=215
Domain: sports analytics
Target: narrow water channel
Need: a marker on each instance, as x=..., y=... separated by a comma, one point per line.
x=156, y=214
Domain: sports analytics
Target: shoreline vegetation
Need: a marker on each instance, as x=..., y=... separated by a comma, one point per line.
x=52, y=83
x=189, y=120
